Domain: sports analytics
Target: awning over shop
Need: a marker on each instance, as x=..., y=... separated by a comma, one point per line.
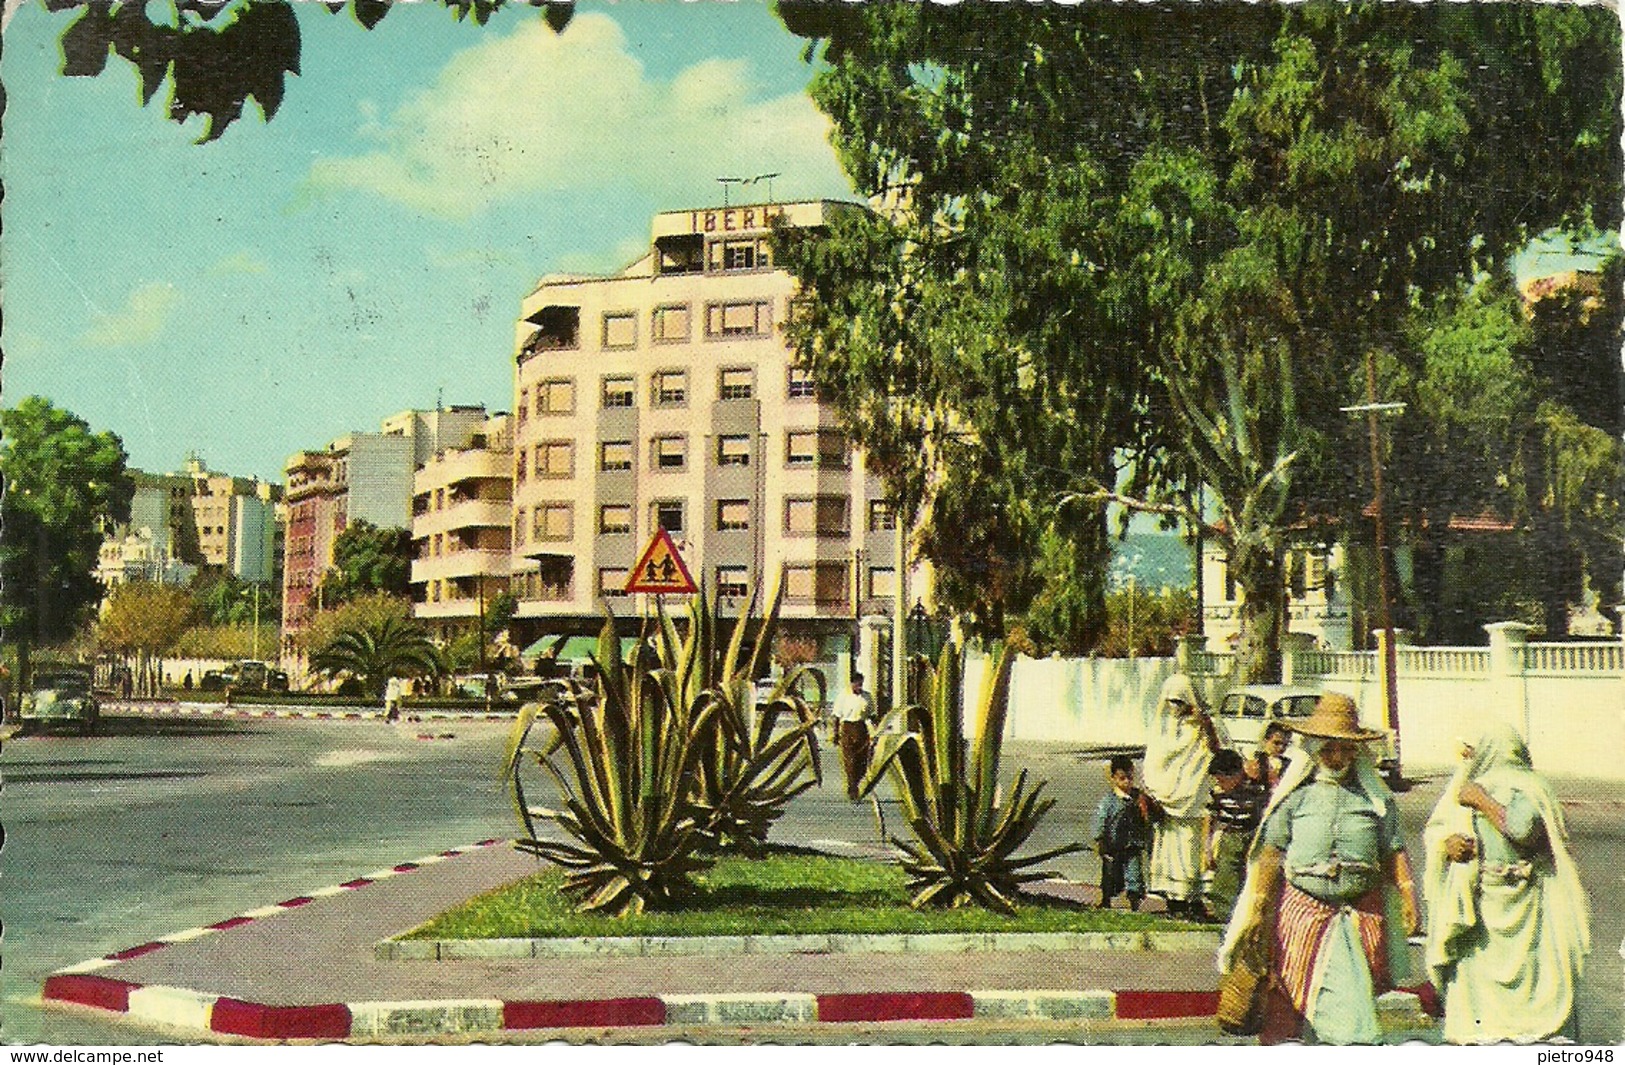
x=575, y=649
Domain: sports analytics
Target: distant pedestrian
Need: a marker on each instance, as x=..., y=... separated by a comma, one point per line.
x=1234, y=810
x=392, y=699
x=1183, y=739
x=126, y=683
x=1508, y=922
x=186, y=682
x=1121, y=835
x=1269, y=763
x=852, y=711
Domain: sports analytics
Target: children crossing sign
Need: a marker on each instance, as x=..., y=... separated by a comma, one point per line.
x=660, y=570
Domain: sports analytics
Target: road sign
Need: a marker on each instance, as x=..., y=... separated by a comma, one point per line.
x=660, y=570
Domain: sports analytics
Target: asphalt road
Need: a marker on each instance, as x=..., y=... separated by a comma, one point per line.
x=156, y=826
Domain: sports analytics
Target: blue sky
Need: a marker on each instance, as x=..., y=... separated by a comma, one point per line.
x=368, y=248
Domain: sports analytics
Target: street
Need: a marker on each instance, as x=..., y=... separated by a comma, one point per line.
x=157, y=826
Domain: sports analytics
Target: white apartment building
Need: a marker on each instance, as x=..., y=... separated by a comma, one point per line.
x=461, y=511
x=664, y=396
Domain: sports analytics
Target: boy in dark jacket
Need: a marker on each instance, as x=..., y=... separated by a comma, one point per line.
x=1233, y=811
x=1121, y=835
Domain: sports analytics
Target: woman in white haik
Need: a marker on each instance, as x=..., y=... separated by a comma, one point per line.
x=1181, y=743
x=1508, y=921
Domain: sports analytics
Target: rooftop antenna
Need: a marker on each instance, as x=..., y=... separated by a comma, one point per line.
x=763, y=177
x=726, y=181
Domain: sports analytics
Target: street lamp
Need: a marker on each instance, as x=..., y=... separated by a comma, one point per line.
x=1390, y=668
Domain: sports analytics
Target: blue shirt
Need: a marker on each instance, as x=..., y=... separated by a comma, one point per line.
x=1119, y=828
x=1330, y=825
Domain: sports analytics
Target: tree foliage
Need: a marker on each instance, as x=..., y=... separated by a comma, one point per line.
x=225, y=599
x=63, y=486
x=145, y=618
x=373, y=649
x=216, y=55
x=1164, y=241
x=367, y=559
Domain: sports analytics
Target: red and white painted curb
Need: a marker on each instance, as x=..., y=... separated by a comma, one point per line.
x=241, y=919
x=214, y=710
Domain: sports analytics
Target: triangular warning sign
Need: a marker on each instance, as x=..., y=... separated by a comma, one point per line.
x=661, y=571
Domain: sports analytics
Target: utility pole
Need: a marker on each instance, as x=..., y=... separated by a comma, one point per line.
x=256, y=651
x=1390, y=668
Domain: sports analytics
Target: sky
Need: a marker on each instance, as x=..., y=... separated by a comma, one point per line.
x=366, y=251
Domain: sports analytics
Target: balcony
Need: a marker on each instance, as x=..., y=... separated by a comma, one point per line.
x=468, y=562
x=450, y=467
x=466, y=514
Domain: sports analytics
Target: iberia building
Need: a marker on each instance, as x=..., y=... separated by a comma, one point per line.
x=664, y=396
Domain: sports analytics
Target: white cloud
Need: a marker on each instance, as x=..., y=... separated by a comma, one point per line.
x=535, y=112
x=142, y=318
x=241, y=262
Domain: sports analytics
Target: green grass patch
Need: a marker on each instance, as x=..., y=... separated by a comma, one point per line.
x=783, y=893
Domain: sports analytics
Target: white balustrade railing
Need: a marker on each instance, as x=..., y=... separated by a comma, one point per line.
x=1442, y=660
x=1566, y=658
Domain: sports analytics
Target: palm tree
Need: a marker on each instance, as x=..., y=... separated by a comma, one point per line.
x=375, y=650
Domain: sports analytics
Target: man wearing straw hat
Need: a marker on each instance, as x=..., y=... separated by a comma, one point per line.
x=1329, y=897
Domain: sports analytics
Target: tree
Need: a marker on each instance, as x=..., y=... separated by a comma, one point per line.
x=216, y=55
x=361, y=612
x=374, y=650
x=63, y=486
x=225, y=599
x=146, y=620
x=1226, y=212
x=368, y=559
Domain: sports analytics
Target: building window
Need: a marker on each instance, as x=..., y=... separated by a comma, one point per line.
x=881, y=515
x=621, y=330
x=669, y=388
x=736, y=383
x=733, y=450
x=669, y=452
x=817, y=516
x=519, y=464
x=555, y=459
x=669, y=325
x=524, y=404
x=799, y=384
x=554, y=575
x=823, y=583
x=519, y=525
x=615, y=518
x=752, y=318
x=618, y=392
x=557, y=396
x=612, y=581
x=667, y=514
x=746, y=254
x=615, y=455
x=733, y=582
x=733, y=514
x=882, y=582
x=553, y=521
x=824, y=448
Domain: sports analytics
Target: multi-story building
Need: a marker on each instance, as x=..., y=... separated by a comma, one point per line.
x=196, y=517
x=461, y=511
x=360, y=476
x=665, y=397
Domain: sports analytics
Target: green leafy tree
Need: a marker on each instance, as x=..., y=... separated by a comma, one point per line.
x=145, y=620
x=1241, y=208
x=368, y=559
x=225, y=599
x=374, y=650
x=63, y=486
x=216, y=55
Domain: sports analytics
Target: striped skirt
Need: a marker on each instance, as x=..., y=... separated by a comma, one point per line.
x=1302, y=926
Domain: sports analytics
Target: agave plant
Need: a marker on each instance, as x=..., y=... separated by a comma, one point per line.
x=750, y=770
x=967, y=833
x=623, y=754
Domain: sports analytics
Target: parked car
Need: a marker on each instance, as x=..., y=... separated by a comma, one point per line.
x=60, y=695
x=1245, y=713
x=247, y=676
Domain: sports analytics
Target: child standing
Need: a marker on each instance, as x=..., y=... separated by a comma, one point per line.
x=1121, y=836
x=1233, y=812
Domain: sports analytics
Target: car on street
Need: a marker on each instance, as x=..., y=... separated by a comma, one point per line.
x=247, y=675
x=1246, y=711
x=60, y=695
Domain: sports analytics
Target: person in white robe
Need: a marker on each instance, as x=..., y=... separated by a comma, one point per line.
x=1508, y=922
x=1179, y=746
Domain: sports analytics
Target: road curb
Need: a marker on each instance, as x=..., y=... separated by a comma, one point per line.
x=180, y=1008
x=413, y=950
x=210, y=710
x=187, y=935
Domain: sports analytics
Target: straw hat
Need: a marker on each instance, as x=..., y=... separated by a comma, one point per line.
x=1335, y=718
